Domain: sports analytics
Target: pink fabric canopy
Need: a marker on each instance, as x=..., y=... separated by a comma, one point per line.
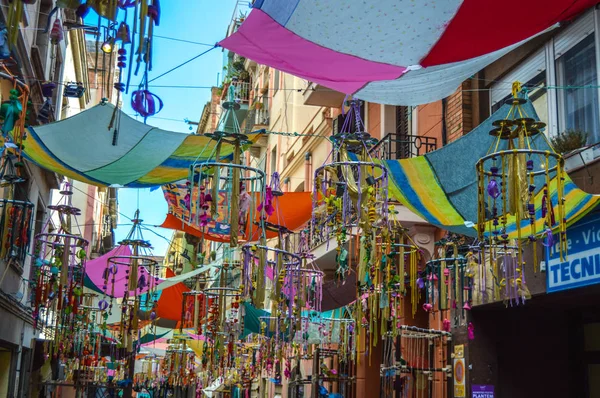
x=399, y=52
x=96, y=268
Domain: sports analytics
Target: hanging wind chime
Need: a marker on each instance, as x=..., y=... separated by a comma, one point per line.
x=521, y=180
x=221, y=193
x=142, y=275
x=57, y=282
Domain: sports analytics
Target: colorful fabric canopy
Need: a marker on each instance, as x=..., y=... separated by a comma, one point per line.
x=94, y=275
x=441, y=186
x=292, y=210
x=400, y=52
x=81, y=147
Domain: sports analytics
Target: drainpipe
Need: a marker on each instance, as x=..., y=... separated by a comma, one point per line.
x=307, y=171
x=444, y=130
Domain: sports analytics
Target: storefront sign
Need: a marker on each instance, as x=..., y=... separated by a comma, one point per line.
x=482, y=391
x=459, y=371
x=459, y=351
x=582, y=265
x=459, y=378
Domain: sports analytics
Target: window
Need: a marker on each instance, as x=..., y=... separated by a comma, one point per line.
x=275, y=82
x=578, y=104
x=538, y=94
x=568, y=65
x=274, y=159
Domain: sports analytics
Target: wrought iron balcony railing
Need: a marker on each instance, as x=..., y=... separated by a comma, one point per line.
x=403, y=146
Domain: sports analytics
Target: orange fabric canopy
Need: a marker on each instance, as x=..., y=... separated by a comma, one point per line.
x=292, y=210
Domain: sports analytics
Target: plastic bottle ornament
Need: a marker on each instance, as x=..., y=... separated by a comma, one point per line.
x=126, y=3
x=154, y=12
x=74, y=90
x=4, y=45
x=144, y=103
x=446, y=325
x=471, y=331
x=123, y=33
x=10, y=111
x=82, y=11
x=492, y=189
x=56, y=34
x=48, y=89
x=102, y=305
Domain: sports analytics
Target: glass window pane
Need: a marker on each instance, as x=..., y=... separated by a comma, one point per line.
x=580, y=103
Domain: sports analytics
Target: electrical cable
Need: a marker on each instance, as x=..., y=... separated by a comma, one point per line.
x=183, y=64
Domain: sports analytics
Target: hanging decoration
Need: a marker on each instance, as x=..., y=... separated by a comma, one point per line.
x=142, y=274
x=516, y=178
x=350, y=193
x=497, y=274
x=217, y=184
x=447, y=280
x=410, y=364
x=16, y=216
x=57, y=281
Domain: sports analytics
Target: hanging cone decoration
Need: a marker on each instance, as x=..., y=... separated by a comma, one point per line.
x=123, y=33
x=56, y=34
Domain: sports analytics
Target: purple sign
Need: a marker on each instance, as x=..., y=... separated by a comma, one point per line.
x=482, y=391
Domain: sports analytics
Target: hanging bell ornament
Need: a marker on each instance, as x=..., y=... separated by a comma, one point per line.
x=82, y=10
x=123, y=33
x=56, y=34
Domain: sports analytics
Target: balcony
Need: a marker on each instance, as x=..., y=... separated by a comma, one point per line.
x=403, y=146
x=242, y=96
x=318, y=95
x=261, y=118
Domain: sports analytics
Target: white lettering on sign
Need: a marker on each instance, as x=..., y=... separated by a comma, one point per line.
x=581, y=266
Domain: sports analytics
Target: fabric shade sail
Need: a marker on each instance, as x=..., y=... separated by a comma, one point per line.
x=292, y=210
x=81, y=147
x=399, y=52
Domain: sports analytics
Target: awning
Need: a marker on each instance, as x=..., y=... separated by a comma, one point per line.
x=400, y=52
x=81, y=147
x=292, y=210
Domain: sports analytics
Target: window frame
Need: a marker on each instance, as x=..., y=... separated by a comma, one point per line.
x=587, y=24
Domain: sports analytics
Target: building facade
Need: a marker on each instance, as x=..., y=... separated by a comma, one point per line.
x=53, y=64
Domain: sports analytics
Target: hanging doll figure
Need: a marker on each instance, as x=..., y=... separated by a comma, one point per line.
x=244, y=207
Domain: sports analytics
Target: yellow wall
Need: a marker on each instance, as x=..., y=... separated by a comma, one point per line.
x=5, y=359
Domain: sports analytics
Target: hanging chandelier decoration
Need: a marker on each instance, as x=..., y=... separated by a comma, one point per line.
x=448, y=281
x=179, y=364
x=57, y=282
x=497, y=274
x=350, y=193
x=142, y=274
x=517, y=178
x=220, y=192
x=407, y=366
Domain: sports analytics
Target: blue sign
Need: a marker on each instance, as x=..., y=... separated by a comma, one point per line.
x=482, y=391
x=581, y=267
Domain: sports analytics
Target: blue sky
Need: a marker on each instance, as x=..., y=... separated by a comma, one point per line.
x=201, y=21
